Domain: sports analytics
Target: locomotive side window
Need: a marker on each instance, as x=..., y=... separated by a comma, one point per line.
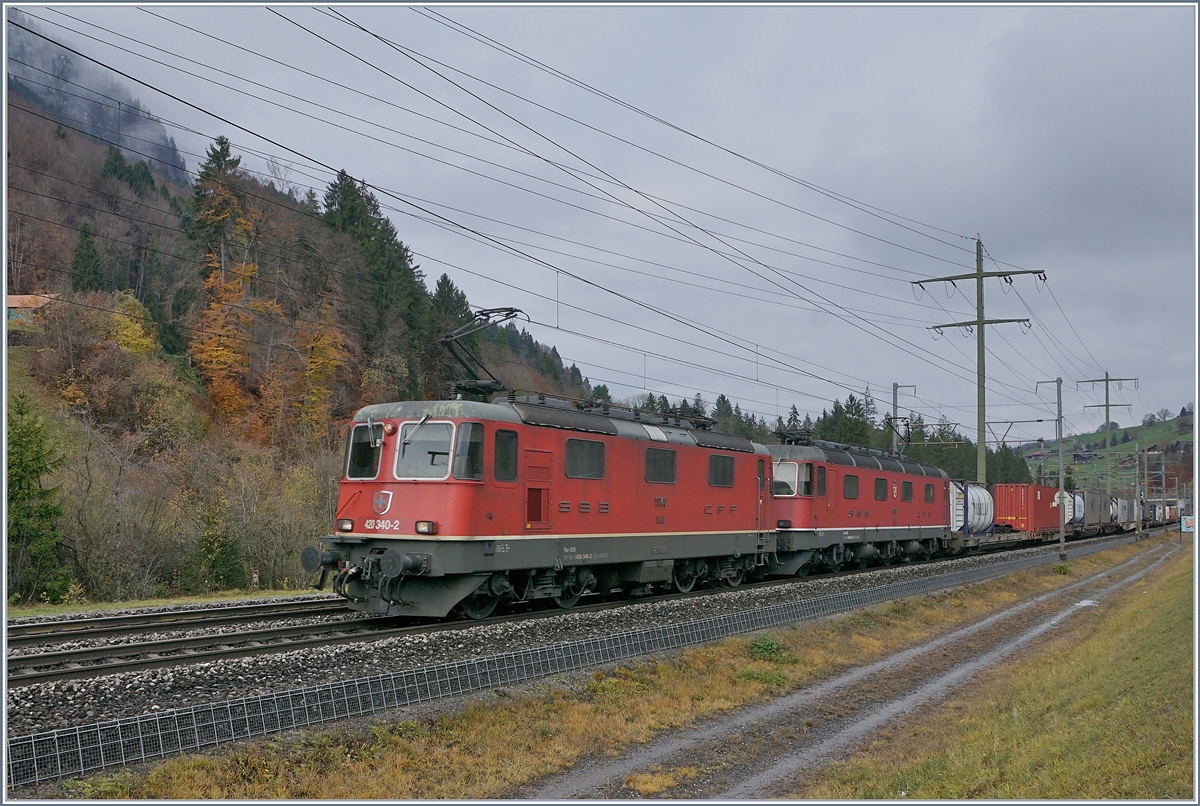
x=820, y=481
x=786, y=479
x=506, y=456
x=720, y=470
x=806, y=479
x=363, y=459
x=468, y=452
x=585, y=459
x=880, y=489
x=660, y=466
x=424, y=450
x=850, y=487
x=928, y=493
x=906, y=491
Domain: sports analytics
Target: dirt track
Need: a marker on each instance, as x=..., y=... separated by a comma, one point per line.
x=767, y=750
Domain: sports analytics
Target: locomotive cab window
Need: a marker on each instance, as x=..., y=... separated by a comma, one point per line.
x=505, y=457
x=928, y=493
x=720, y=470
x=468, y=451
x=906, y=491
x=660, y=466
x=364, y=452
x=881, y=489
x=585, y=459
x=849, y=487
x=786, y=479
x=423, y=450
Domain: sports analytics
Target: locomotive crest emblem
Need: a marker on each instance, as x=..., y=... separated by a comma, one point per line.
x=382, y=502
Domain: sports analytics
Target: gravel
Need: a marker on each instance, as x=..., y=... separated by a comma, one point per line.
x=189, y=632
x=45, y=706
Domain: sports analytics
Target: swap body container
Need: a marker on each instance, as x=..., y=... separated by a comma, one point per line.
x=1026, y=507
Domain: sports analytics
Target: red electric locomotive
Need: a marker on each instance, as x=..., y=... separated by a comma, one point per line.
x=835, y=504
x=462, y=504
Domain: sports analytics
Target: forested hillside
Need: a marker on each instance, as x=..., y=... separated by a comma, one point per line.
x=185, y=393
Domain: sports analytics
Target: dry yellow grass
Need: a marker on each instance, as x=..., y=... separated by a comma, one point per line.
x=658, y=780
x=493, y=745
x=1104, y=711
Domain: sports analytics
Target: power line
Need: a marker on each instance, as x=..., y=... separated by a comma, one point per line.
x=454, y=25
x=447, y=221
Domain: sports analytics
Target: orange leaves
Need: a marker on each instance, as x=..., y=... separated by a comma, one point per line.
x=272, y=377
x=323, y=350
x=221, y=344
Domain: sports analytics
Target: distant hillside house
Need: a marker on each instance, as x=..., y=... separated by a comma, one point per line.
x=1082, y=458
x=21, y=307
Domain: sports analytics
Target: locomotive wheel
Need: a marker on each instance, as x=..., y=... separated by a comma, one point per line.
x=479, y=605
x=571, y=591
x=685, y=581
x=833, y=568
x=804, y=570
x=736, y=579
x=861, y=565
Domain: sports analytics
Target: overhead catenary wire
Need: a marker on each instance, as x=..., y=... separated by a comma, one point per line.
x=851, y=323
x=490, y=140
x=452, y=224
x=181, y=257
x=455, y=25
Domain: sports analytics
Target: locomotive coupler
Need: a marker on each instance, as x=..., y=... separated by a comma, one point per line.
x=389, y=591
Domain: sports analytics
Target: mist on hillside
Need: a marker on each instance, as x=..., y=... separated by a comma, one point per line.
x=76, y=94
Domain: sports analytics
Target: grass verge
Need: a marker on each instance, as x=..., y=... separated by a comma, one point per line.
x=22, y=611
x=501, y=741
x=1104, y=710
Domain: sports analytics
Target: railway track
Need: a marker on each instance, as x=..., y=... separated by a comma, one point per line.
x=71, y=664
x=74, y=664
x=45, y=632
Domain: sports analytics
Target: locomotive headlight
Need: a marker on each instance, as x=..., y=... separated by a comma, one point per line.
x=426, y=527
x=389, y=428
x=345, y=525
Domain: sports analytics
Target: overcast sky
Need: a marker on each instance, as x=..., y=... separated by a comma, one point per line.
x=758, y=186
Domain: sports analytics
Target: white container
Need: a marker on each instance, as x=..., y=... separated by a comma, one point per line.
x=1067, y=502
x=971, y=505
x=1078, y=511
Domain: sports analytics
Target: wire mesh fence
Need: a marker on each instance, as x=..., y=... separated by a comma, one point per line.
x=130, y=740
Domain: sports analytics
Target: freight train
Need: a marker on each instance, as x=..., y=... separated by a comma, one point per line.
x=464, y=505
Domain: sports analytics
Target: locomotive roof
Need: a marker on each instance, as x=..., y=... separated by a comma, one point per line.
x=556, y=415
x=853, y=458
x=450, y=409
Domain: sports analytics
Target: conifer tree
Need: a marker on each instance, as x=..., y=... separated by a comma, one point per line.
x=86, y=273
x=34, y=565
